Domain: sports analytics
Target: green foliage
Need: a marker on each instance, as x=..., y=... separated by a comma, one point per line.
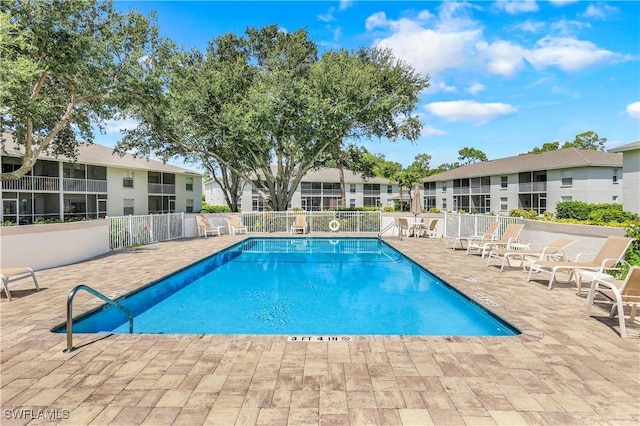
x=208, y=208
x=434, y=210
x=527, y=214
x=585, y=140
x=469, y=155
x=573, y=210
x=547, y=214
x=68, y=66
x=388, y=209
x=595, y=214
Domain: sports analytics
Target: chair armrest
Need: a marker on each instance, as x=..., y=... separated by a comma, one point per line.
x=584, y=254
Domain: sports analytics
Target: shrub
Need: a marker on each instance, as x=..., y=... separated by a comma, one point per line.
x=388, y=209
x=207, y=208
x=434, y=210
x=527, y=214
x=573, y=210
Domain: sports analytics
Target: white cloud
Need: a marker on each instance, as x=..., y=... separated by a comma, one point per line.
x=634, y=110
x=345, y=4
x=470, y=110
x=431, y=131
x=327, y=17
x=515, y=7
x=560, y=3
x=504, y=58
x=476, y=88
x=116, y=126
x=530, y=26
x=566, y=53
x=600, y=11
x=378, y=19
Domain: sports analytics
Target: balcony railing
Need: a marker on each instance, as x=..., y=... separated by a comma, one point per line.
x=532, y=187
x=84, y=185
x=159, y=188
x=482, y=189
x=32, y=183
x=429, y=192
x=460, y=190
x=371, y=193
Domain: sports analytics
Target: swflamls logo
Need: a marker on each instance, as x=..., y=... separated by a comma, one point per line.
x=36, y=414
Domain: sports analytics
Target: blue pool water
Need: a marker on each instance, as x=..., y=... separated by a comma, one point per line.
x=300, y=286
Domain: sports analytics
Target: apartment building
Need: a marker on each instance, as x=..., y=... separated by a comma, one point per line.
x=320, y=190
x=531, y=182
x=631, y=171
x=98, y=184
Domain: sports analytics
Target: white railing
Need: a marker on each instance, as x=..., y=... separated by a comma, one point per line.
x=159, y=188
x=532, y=187
x=127, y=231
x=464, y=225
x=32, y=183
x=84, y=185
x=349, y=221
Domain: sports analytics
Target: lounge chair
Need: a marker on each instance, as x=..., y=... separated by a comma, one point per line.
x=235, y=226
x=205, y=228
x=300, y=225
x=619, y=293
x=523, y=252
x=490, y=234
x=608, y=257
x=12, y=274
x=509, y=237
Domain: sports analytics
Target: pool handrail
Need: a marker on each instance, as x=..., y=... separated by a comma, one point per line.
x=96, y=293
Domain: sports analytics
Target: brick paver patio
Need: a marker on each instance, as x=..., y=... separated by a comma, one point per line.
x=562, y=369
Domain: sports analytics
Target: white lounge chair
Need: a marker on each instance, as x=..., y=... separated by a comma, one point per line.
x=490, y=234
x=235, y=226
x=524, y=252
x=205, y=228
x=300, y=225
x=509, y=237
x=608, y=257
x=619, y=293
x=12, y=274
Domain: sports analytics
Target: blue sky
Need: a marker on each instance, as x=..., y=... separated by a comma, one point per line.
x=506, y=76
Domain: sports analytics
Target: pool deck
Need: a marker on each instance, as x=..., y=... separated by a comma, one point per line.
x=563, y=368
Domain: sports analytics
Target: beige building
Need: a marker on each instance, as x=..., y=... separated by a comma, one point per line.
x=530, y=182
x=99, y=183
x=631, y=171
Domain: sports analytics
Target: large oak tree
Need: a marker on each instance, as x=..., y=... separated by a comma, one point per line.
x=274, y=107
x=68, y=66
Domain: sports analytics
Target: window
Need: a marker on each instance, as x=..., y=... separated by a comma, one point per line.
x=352, y=202
x=127, y=180
x=503, y=182
x=504, y=205
x=128, y=206
x=444, y=203
x=614, y=199
x=615, y=175
x=444, y=188
x=189, y=186
x=389, y=189
x=566, y=198
x=567, y=178
x=189, y=206
x=352, y=188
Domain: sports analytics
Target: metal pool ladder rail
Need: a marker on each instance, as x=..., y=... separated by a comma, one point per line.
x=96, y=293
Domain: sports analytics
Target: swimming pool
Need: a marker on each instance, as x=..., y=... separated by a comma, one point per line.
x=295, y=286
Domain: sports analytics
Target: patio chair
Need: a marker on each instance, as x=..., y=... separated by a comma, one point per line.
x=300, y=225
x=403, y=227
x=13, y=274
x=428, y=230
x=608, y=257
x=235, y=226
x=205, y=228
x=510, y=236
x=490, y=234
x=619, y=293
x=523, y=252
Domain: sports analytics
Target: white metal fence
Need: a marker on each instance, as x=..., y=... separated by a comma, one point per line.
x=127, y=231
x=464, y=225
x=348, y=221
